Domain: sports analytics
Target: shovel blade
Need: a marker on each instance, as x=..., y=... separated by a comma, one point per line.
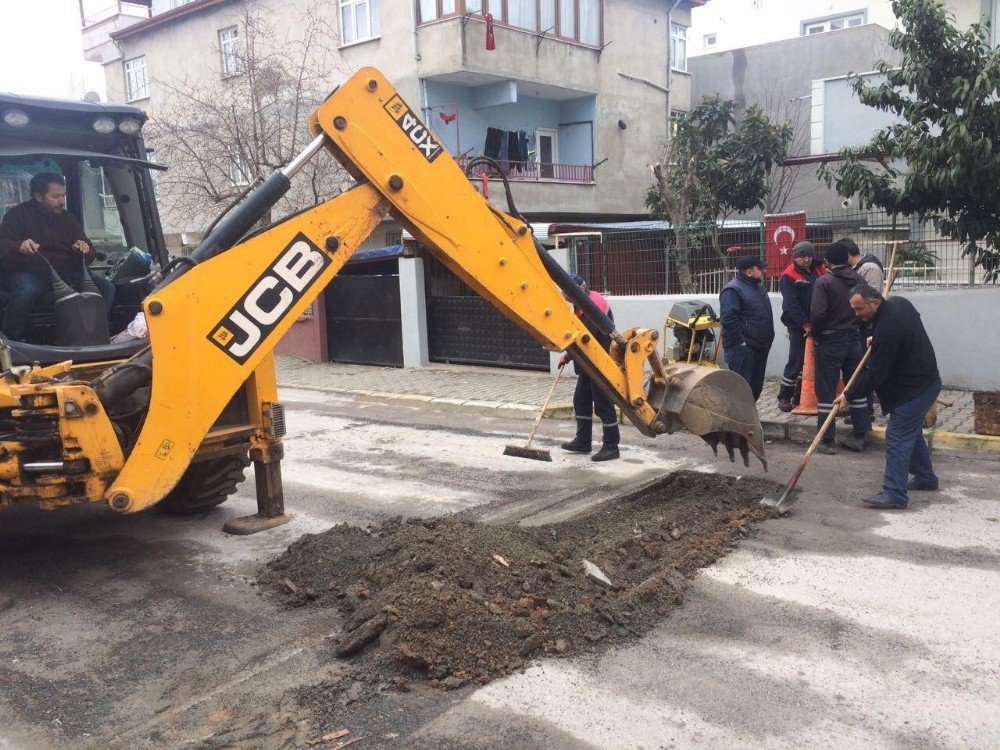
x=781, y=500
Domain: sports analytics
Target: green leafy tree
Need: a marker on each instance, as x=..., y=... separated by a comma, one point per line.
x=712, y=167
x=940, y=161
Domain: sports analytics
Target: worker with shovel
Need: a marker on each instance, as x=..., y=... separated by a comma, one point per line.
x=588, y=399
x=903, y=373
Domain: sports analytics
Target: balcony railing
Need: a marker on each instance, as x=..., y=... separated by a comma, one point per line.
x=117, y=8
x=530, y=171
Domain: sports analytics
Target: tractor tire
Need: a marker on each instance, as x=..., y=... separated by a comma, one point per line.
x=204, y=485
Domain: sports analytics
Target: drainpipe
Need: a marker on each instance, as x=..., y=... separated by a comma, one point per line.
x=670, y=68
x=413, y=31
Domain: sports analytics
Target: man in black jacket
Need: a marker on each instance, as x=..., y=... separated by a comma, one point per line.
x=838, y=347
x=903, y=373
x=747, y=324
x=32, y=232
x=795, y=286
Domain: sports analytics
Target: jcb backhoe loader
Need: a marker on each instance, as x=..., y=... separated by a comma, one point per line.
x=130, y=428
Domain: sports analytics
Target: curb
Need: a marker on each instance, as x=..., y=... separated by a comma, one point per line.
x=936, y=439
x=794, y=432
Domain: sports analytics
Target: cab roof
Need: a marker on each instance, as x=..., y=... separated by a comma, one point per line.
x=17, y=101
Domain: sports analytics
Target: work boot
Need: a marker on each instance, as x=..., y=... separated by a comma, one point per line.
x=784, y=404
x=606, y=453
x=827, y=447
x=922, y=486
x=854, y=443
x=576, y=446
x=883, y=501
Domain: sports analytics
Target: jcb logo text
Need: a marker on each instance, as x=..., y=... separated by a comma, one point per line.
x=419, y=133
x=261, y=309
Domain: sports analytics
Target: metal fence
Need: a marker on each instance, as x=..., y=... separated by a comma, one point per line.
x=643, y=258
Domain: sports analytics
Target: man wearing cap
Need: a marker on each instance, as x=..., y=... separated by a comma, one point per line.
x=834, y=329
x=588, y=399
x=747, y=323
x=795, y=286
x=903, y=372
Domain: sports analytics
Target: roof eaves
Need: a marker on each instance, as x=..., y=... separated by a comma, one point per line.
x=164, y=18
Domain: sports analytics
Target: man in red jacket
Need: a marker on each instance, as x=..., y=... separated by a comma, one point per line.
x=588, y=399
x=32, y=232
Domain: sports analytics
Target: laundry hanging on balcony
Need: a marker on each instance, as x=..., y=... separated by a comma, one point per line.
x=509, y=147
x=448, y=118
x=491, y=43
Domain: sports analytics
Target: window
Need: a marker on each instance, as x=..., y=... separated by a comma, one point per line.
x=359, y=20
x=578, y=20
x=239, y=169
x=678, y=47
x=834, y=23
x=178, y=3
x=709, y=40
x=229, y=52
x=136, y=79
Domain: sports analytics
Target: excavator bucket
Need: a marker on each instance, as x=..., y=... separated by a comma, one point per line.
x=717, y=405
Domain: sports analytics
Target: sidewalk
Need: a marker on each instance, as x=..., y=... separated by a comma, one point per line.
x=523, y=391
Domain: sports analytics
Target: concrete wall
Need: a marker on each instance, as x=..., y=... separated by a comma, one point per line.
x=780, y=77
x=961, y=325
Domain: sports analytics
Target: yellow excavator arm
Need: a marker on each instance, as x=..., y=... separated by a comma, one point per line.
x=216, y=318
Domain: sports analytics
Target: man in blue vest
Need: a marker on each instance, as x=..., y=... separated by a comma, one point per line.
x=747, y=323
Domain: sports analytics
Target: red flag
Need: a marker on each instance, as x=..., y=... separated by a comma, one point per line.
x=491, y=43
x=448, y=119
x=782, y=232
x=485, y=177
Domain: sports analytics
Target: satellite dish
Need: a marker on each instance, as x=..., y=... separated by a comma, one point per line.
x=93, y=97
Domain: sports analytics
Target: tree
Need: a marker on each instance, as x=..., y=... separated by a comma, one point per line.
x=220, y=132
x=941, y=160
x=711, y=168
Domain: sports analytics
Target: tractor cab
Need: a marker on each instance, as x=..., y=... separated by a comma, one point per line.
x=99, y=150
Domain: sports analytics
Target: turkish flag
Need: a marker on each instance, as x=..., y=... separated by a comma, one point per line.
x=491, y=43
x=782, y=233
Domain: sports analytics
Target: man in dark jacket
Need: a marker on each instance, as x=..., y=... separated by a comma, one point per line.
x=834, y=329
x=903, y=373
x=36, y=229
x=795, y=286
x=747, y=324
x=588, y=399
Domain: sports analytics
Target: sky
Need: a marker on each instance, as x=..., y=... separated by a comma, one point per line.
x=31, y=26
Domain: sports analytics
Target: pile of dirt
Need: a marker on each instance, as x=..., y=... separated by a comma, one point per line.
x=452, y=601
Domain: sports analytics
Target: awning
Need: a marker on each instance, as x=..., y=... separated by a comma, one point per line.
x=7, y=151
x=540, y=230
x=378, y=253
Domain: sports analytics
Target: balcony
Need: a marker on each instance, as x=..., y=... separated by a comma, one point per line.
x=533, y=171
x=101, y=18
x=542, y=135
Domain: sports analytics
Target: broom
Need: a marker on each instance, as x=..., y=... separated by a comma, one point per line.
x=536, y=454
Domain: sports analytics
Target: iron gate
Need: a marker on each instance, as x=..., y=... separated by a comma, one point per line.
x=464, y=328
x=363, y=320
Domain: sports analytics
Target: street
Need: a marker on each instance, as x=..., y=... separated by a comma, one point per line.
x=837, y=626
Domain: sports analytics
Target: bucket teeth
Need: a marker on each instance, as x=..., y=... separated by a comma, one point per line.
x=744, y=452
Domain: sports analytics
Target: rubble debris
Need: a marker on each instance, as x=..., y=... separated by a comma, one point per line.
x=424, y=607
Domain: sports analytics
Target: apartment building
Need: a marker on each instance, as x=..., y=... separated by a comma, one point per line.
x=583, y=82
x=736, y=24
x=572, y=95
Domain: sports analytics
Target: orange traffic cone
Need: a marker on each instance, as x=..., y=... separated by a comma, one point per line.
x=808, y=404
